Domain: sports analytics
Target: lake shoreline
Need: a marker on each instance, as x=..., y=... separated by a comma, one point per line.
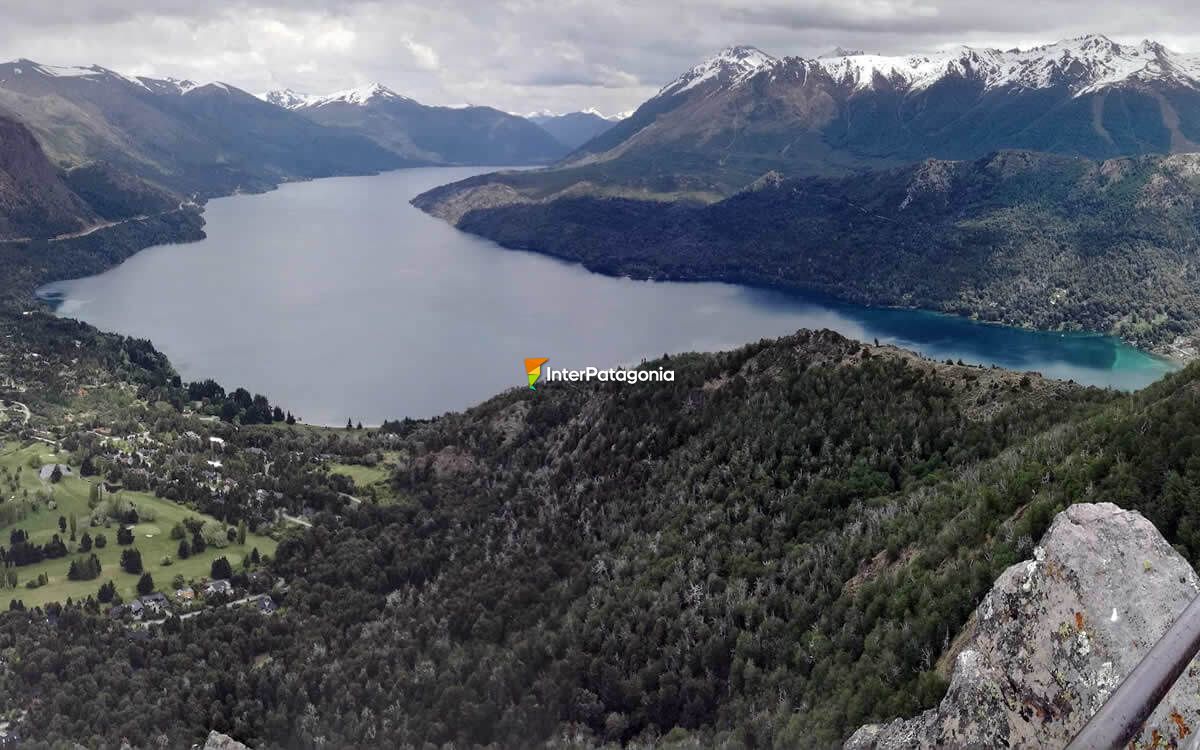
x=1168, y=353
x=419, y=285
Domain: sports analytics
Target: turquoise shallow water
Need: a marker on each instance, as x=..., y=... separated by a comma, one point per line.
x=339, y=300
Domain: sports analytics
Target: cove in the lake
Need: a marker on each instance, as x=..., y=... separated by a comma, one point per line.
x=337, y=300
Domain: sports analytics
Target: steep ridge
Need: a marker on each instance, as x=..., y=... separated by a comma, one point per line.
x=1055, y=636
x=34, y=199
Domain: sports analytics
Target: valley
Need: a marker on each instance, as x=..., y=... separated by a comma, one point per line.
x=363, y=260
x=269, y=348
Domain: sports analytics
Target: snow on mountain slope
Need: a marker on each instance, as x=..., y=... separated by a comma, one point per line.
x=24, y=67
x=728, y=66
x=362, y=95
x=95, y=73
x=1085, y=64
x=287, y=98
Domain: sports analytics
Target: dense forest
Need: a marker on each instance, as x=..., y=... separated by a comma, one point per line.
x=1039, y=240
x=773, y=549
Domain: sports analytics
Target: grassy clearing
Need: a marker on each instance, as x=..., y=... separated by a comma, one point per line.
x=371, y=481
x=363, y=476
x=151, y=537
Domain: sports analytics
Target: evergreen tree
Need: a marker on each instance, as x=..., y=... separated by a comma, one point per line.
x=131, y=560
x=145, y=584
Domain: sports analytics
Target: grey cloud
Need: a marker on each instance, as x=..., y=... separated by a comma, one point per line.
x=524, y=55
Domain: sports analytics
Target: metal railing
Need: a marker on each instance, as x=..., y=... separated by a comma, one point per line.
x=1126, y=710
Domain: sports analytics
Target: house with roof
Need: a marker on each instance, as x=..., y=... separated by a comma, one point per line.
x=136, y=608
x=47, y=471
x=185, y=594
x=219, y=586
x=155, y=602
x=266, y=604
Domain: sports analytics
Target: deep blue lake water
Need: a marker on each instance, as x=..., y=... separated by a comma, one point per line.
x=337, y=300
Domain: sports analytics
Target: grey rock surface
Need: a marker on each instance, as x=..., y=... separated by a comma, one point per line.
x=1056, y=635
x=218, y=741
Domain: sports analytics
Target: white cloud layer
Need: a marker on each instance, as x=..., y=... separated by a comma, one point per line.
x=526, y=55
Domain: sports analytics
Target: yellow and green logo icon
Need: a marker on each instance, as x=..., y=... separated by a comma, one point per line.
x=533, y=369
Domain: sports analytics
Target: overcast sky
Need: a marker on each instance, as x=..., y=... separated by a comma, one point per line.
x=526, y=55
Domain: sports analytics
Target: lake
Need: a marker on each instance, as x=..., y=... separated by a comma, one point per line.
x=337, y=299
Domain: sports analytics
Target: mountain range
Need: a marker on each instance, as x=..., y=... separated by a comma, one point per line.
x=743, y=112
x=934, y=181
x=209, y=139
x=426, y=134
x=82, y=147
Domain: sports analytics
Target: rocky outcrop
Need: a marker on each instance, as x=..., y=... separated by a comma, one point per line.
x=1054, y=638
x=218, y=741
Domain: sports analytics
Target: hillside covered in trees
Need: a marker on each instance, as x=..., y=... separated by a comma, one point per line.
x=1040, y=240
x=775, y=548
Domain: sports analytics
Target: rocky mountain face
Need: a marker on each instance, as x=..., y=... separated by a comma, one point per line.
x=574, y=128
x=1112, y=242
x=34, y=199
x=207, y=139
x=1055, y=636
x=421, y=133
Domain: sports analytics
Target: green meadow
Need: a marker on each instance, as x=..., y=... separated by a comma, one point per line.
x=372, y=482
x=151, y=537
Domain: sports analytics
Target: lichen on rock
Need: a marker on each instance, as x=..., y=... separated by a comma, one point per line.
x=1056, y=635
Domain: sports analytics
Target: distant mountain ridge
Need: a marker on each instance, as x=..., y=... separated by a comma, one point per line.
x=573, y=129
x=427, y=134
x=209, y=139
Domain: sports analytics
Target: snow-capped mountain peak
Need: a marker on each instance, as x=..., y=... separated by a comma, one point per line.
x=286, y=98
x=727, y=66
x=547, y=114
x=1083, y=64
x=362, y=95
x=29, y=67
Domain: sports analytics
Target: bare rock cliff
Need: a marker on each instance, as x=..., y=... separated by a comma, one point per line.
x=1054, y=638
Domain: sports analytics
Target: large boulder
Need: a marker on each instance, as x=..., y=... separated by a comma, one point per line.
x=218, y=741
x=1056, y=635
